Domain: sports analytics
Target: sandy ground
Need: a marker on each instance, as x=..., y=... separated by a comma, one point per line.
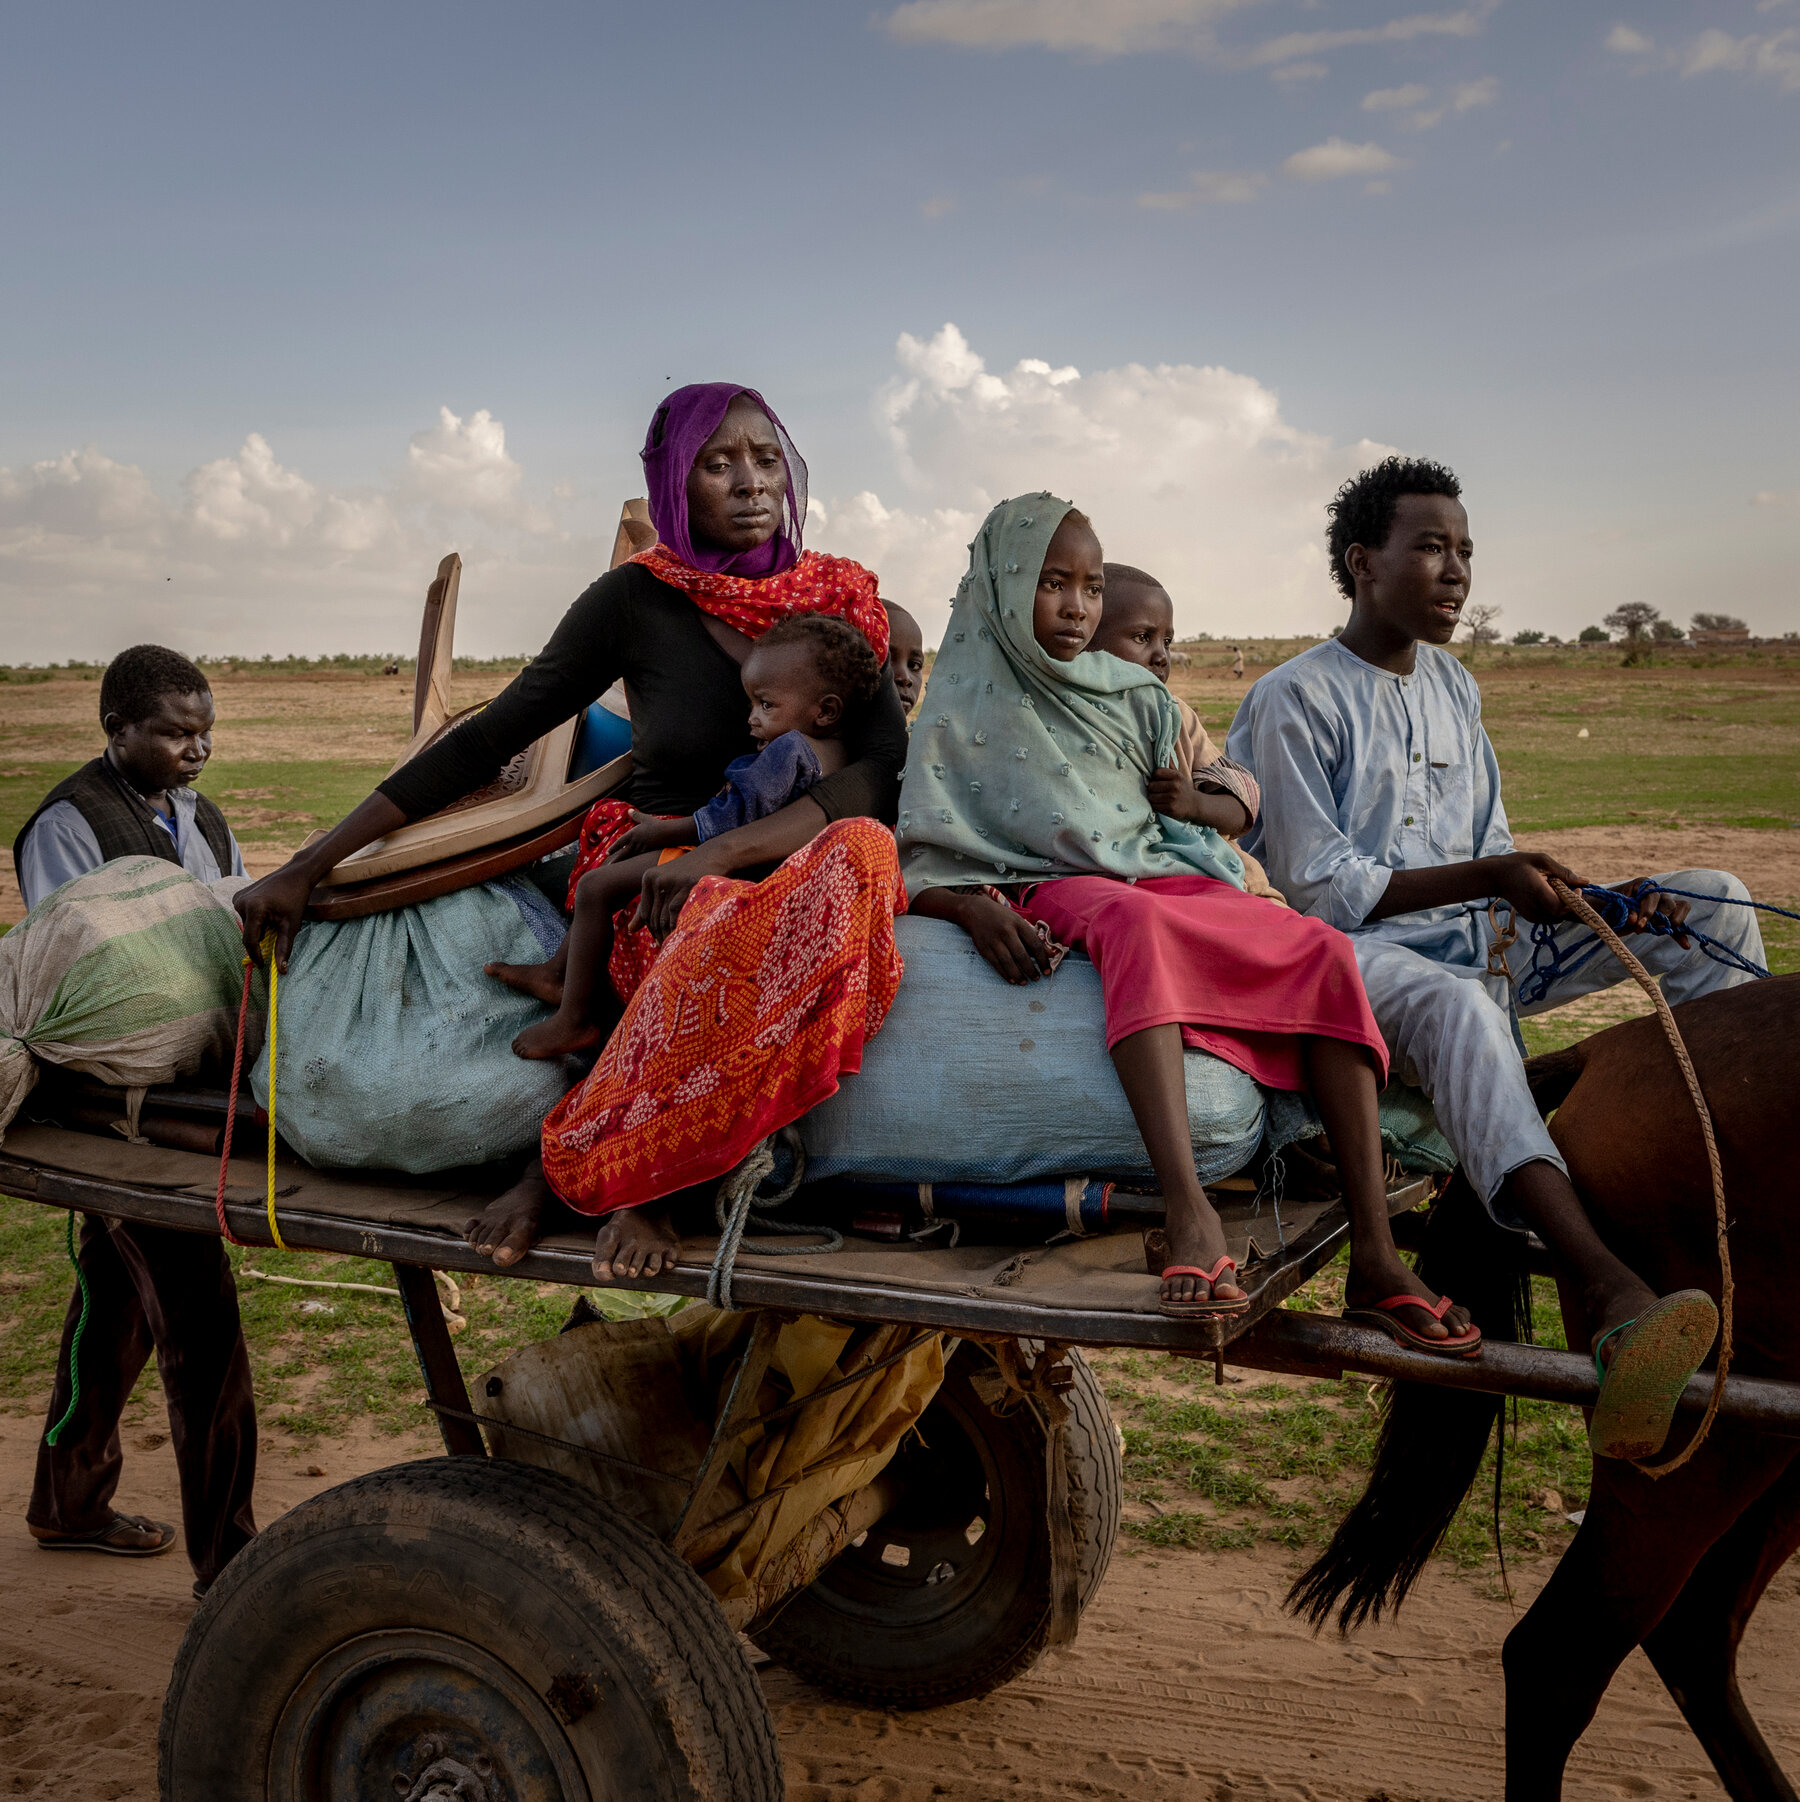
x=1187, y=1681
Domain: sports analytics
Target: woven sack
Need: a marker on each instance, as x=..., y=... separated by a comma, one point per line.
x=396, y=1050
x=131, y=973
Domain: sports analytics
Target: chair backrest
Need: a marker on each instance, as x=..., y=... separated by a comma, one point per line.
x=437, y=641
x=635, y=532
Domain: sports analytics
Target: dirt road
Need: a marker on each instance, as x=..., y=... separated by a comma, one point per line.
x=1187, y=1682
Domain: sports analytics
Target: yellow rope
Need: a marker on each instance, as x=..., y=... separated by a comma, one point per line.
x=268, y=952
x=1592, y=920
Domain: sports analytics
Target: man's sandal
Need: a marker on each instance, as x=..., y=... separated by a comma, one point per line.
x=121, y=1537
x=1212, y=1306
x=1384, y=1317
x=1656, y=1354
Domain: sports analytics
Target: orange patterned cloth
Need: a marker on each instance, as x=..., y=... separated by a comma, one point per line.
x=762, y=997
x=752, y=604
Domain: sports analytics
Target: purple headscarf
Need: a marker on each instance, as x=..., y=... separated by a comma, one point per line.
x=683, y=423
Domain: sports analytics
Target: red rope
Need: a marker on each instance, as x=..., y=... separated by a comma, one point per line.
x=237, y=1070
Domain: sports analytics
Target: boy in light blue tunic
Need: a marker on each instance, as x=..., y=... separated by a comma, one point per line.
x=1382, y=814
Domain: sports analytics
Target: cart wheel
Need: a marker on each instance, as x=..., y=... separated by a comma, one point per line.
x=460, y=1627
x=948, y=1595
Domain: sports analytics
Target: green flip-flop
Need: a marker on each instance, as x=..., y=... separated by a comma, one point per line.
x=1656, y=1354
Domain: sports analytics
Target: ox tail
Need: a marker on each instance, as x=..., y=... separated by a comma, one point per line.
x=1432, y=1440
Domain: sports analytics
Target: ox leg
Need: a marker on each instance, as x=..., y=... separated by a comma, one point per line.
x=1634, y=1554
x=1694, y=1647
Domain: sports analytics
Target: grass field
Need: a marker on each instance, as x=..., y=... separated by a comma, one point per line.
x=1676, y=755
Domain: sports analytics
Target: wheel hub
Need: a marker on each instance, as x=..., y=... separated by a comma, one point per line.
x=435, y=1717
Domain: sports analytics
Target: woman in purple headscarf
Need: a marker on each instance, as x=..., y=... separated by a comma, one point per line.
x=728, y=500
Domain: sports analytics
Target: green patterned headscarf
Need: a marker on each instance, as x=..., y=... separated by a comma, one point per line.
x=1022, y=767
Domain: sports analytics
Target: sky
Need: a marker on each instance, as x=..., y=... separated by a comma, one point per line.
x=293, y=300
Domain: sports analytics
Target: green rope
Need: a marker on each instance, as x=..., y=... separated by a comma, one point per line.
x=51, y=1437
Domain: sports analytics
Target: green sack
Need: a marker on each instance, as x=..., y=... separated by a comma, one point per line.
x=131, y=973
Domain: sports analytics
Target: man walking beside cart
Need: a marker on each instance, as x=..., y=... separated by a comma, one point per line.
x=148, y=1288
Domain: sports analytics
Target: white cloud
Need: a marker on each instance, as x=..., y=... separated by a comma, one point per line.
x=1209, y=187
x=1465, y=22
x=1396, y=100
x=1764, y=56
x=1189, y=471
x=937, y=206
x=1788, y=500
x=251, y=555
x=464, y=464
x=1409, y=101
x=1094, y=27
x=81, y=494
x=1336, y=158
x=1134, y=27
x=1774, y=56
x=1288, y=72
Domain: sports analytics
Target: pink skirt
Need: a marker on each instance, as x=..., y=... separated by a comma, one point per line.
x=1245, y=979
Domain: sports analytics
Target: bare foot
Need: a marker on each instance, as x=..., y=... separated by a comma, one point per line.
x=556, y=1037
x=1196, y=1237
x=1374, y=1281
x=544, y=982
x=636, y=1242
x=507, y=1227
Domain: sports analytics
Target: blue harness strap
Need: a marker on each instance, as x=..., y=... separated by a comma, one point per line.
x=1551, y=961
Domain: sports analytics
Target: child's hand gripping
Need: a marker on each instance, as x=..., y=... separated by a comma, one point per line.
x=648, y=833
x=1172, y=792
x=1178, y=794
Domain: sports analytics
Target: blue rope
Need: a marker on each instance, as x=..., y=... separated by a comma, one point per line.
x=1551, y=961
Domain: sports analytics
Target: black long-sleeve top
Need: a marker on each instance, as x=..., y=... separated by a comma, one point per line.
x=689, y=713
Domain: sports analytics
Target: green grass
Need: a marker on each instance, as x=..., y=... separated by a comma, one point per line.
x=1549, y=791
x=1217, y=1469
x=310, y=794
x=319, y=1368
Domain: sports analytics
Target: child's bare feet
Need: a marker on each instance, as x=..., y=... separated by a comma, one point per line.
x=1196, y=1237
x=636, y=1242
x=508, y=1226
x=544, y=982
x=556, y=1037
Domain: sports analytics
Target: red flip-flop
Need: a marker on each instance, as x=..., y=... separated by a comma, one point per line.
x=1200, y=1310
x=1459, y=1345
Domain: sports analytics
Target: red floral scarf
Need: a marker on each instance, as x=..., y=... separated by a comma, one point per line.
x=752, y=604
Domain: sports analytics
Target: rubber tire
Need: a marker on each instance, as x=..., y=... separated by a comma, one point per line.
x=592, y=1618
x=833, y=1634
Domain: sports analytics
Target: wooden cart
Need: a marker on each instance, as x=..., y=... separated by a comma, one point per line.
x=478, y=1629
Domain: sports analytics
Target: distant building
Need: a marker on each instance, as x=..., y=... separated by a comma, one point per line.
x=1720, y=637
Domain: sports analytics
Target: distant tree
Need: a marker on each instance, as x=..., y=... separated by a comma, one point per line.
x=1594, y=635
x=1718, y=622
x=1633, y=620
x=1480, y=621
x=1665, y=631
x=1529, y=636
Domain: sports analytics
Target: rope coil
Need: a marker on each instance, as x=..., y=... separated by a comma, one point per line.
x=738, y=1207
x=1551, y=961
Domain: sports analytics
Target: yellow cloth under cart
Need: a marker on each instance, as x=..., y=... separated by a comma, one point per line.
x=651, y=1390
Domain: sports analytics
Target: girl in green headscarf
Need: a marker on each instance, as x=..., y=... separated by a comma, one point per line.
x=1026, y=817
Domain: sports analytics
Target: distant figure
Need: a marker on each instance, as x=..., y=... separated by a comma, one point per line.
x=906, y=654
x=1237, y=664
x=390, y=669
x=149, y=1285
